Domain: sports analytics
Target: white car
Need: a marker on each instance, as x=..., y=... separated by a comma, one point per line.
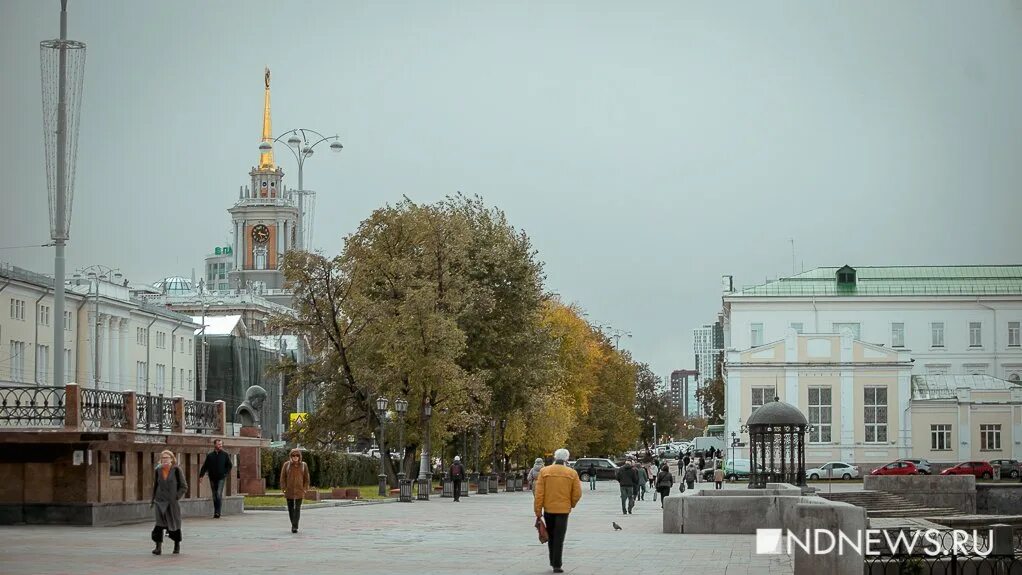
x=833, y=470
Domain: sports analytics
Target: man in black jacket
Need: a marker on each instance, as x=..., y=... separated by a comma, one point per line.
x=218, y=465
x=457, y=476
x=628, y=479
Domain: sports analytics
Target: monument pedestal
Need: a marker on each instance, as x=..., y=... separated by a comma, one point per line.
x=250, y=480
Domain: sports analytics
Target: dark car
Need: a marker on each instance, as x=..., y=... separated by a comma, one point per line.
x=1009, y=467
x=604, y=468
x=978, y=469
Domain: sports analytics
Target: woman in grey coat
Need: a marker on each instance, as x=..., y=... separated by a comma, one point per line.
x=169, y=485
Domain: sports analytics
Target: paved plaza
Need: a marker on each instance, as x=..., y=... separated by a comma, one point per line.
x=481, y=534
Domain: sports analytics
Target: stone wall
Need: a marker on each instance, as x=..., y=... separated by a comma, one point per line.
x=952, y=491
x=99, y=514
x=999, y=498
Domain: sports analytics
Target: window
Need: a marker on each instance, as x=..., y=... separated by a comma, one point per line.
x=161, y=339
x=17, y=309
x=937, y=334
x=975, y=334
x=1013, y=333
x=17, y=360
x=189, y=347
x=940, y=437
x=897, y=335
x=797, y=326
x=116, y=464
x=42, y=361
x=69, y=373
x=142, y=335
x=840, y=327
x=757, y=334
x=761, y=395
x=875, y=416
x=181, y=378
x=44, y=315
x=161, y=377
x=990, y=437
x=260, y=258
x=140, y=375
x=819, y=414
x=189, y=380
x=67, y=321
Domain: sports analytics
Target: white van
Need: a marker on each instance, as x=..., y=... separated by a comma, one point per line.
x=704, y=443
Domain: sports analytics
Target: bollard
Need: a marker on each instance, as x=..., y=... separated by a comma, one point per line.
x=464, y=488
x=484, y=485
x=405, y=490
x=494, y=483
x=425, y=486
x=519, y=483
x=448, y=488
x=509, y=484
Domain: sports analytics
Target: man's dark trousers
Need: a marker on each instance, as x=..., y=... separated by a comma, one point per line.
x=457, y=489
x=217, y=485
x=556, y=527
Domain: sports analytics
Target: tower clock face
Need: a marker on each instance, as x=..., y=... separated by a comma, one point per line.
x=260, y=234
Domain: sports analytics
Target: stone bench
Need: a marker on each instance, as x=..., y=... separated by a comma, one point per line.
x=342, y=493
x=314, y=495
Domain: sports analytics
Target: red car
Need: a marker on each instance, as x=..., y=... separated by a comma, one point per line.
x=979, y=469
x=896, y=468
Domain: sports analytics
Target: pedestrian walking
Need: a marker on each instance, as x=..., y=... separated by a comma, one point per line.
x=690, y=475
x=627, y=479
x=537, y=466
x=718, y=475
x=218, y=465
x=664, y=482
x=457, y=476
x=640, y=487
x=591, y=472
x=557, y=491
x=702, y=465
x=169, y=486
x=294, y=482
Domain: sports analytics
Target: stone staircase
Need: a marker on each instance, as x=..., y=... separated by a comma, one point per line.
x=882, y=504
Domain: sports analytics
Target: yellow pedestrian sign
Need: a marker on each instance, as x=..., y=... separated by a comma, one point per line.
x=298, y=419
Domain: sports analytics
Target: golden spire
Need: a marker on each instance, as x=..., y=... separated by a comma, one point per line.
x=266, y=157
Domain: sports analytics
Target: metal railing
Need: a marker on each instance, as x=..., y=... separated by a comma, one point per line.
x=155, y=413
x=31, y=406
x=944, y=551
x=103, y=409
x=200, y=416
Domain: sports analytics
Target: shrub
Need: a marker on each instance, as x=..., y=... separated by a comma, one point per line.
x=326, y=468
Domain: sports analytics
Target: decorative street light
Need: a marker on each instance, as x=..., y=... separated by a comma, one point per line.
x=301, y=142
x=401, y=405
x=204, y=374
x=503, y=448
x=493, y=441
x=425, y=467
x=381, y=413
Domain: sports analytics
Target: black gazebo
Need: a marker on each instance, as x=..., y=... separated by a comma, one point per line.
x=777, y=445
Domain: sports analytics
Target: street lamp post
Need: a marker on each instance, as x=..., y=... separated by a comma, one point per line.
x=503, y=448
x=381, y=411
x=301, y=142
x=425, y=467
x=401, y=405
x=95, y=273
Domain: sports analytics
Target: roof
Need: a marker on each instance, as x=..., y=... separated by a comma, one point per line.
x=947, y=386
x=777, y=413
x=220, y=325
x=896, y=280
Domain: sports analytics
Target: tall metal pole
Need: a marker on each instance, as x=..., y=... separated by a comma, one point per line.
x=60, y=208
x=95, y=337
x=383, y=472
x=205, y=356
x=301, y=201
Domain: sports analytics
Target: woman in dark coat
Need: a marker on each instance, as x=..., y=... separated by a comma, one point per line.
x=169, y=485
x=664, y=481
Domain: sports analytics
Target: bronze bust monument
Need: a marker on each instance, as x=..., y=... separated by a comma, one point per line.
x=247, y=413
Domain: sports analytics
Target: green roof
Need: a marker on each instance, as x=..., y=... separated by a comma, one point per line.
x=897, y=280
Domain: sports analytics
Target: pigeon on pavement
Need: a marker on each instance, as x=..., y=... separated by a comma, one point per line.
x=616, y=526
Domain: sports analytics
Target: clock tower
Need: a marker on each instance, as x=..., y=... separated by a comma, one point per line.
x=265, y=218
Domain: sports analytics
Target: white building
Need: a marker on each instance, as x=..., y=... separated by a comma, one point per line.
x=112, y=341
x=885, y=325
x=707, y=345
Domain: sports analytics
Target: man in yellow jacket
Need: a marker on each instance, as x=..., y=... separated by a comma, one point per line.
x=556, y=493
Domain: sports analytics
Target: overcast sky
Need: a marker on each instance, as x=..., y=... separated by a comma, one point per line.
x=646, y=147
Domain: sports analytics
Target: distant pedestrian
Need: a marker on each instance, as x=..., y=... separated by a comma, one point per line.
x=640, y=486
x=690, y=475
x=627, y=479
x=169, y=486
x=294, y=482
x=218, y=465
x=686, y=460
x=702, y=466
x=592, y=476
x=557, y=491
x=664, y=482
x=537, y=466
x=457, y=476
x=718, y=475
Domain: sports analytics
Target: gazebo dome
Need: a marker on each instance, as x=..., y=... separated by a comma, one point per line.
x=777, y=413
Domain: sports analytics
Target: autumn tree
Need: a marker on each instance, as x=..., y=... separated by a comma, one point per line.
x=711, y=394
x=652, y=404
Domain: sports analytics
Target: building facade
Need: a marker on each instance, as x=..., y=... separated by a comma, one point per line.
x=707, y=346
x=113, y=341
x=682, y=391
x=900, y=330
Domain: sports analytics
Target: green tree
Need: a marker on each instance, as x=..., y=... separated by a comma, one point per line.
x=652, y=404
x=711, y=395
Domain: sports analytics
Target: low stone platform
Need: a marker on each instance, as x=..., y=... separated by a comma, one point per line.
x=103, y=514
